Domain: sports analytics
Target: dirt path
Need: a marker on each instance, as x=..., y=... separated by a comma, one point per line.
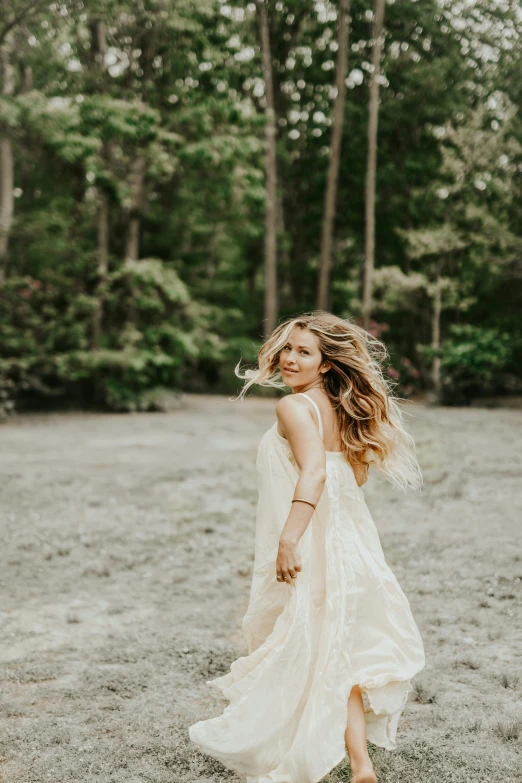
x=126, y=552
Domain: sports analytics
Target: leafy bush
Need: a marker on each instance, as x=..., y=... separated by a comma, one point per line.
x=472, y=362
x=153, y=336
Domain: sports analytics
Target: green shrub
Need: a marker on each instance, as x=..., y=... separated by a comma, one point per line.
x=472, y=362
x=153, y=336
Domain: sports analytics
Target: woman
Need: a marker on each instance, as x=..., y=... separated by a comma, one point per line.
x=332, y=644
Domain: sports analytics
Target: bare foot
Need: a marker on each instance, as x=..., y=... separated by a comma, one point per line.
x=365, y=775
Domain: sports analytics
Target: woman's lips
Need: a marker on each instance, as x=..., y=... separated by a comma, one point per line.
x=287, y=369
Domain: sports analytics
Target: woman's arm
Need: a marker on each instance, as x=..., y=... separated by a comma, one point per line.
x=296, y=422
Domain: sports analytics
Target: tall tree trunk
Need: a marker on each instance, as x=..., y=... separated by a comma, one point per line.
x=99, y=49
x=373, y=119
x=6, y=161
x=435, y=333
x=27, y=83
x=271, y=303
x=330, y=197
x=99, y=42
x=132, y=251
x=103, y=264
x=283, y=255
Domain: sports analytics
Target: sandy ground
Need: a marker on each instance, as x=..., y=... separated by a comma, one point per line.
x=126, y=554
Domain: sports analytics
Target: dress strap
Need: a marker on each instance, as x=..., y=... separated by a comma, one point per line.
x=316, y=406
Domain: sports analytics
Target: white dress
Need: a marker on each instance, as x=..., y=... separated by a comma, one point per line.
x=343, y=621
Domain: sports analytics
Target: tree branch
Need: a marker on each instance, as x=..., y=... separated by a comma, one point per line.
x=30, y=8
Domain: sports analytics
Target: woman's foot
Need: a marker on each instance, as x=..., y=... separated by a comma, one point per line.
x=364, y=774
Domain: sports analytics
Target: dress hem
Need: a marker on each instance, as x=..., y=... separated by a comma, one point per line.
x=387, y=744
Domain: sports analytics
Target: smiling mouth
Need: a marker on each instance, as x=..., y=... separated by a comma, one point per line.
x=288, y=370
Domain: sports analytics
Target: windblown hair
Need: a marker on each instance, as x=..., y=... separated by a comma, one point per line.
x=370, y=421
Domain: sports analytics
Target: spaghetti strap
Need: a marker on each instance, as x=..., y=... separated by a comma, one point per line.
x=316, y=406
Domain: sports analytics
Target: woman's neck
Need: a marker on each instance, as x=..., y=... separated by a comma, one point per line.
x=315, y=385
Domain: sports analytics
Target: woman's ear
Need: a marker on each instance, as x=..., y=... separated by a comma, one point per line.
x=325, y=367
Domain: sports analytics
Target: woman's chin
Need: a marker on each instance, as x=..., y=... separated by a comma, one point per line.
x=290, y=379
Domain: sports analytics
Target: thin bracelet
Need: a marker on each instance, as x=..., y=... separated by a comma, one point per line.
x=300, y=500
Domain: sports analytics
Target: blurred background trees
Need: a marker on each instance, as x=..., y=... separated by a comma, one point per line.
x=177, y=177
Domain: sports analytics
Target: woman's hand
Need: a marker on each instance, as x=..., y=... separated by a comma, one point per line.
x=288, y=562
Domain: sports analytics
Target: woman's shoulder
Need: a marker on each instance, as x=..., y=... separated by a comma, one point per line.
x=292, y=406
x=292, y=411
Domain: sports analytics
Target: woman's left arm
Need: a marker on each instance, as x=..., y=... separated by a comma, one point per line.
x=307, y=447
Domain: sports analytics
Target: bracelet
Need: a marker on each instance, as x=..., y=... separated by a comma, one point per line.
x=300, y=500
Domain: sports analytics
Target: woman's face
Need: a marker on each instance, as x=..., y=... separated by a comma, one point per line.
x=300, y=359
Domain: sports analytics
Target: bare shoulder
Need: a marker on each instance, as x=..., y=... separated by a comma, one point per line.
x=289, y=404
x=291, y=409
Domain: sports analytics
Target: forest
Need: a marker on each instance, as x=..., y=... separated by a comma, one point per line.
x=176, y=177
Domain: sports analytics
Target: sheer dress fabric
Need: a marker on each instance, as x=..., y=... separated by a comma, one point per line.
x=343, y=621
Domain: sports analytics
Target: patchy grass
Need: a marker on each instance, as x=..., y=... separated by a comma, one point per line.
x=508, y=730
x=422, y=695
x=126, y=548
x=468, y=663
x=508, y=680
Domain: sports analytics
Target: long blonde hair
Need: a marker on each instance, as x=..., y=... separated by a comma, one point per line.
x=370, y=421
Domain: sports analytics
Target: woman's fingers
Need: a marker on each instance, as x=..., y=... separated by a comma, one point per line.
x=286, y=572
x=288, y=576
x=294, y=570
x=288, y=565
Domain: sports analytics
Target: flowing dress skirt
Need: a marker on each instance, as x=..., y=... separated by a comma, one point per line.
x=343, y=621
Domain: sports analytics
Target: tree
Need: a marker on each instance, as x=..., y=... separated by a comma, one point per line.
x=137, y=199
x=6, y=157
x=469, y=236
x=19, y=13
x=330, y=196
x=373, y=120
x=437, y=248
x=99, y=50
x=271, y=307
x=170, y=127
x=16, y=21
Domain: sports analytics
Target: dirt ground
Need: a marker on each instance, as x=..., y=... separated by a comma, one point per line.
x=126, y=554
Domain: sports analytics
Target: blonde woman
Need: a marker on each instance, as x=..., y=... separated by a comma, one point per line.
x=332, y=644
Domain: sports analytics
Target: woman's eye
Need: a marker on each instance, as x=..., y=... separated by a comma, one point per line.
x=305, y=353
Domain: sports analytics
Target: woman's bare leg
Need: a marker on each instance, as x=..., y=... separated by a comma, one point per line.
x=355, y=739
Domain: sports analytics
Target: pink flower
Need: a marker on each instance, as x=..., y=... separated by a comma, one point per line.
x=26, y=293
x=36, y=284
x=393, y=373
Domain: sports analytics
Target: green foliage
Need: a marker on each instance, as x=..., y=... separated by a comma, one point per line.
x=120, y=379
x=9, y=114
x=154, y=337
x=179, y=97
x=58, y=124
x=472, y=361
x=107, y=119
